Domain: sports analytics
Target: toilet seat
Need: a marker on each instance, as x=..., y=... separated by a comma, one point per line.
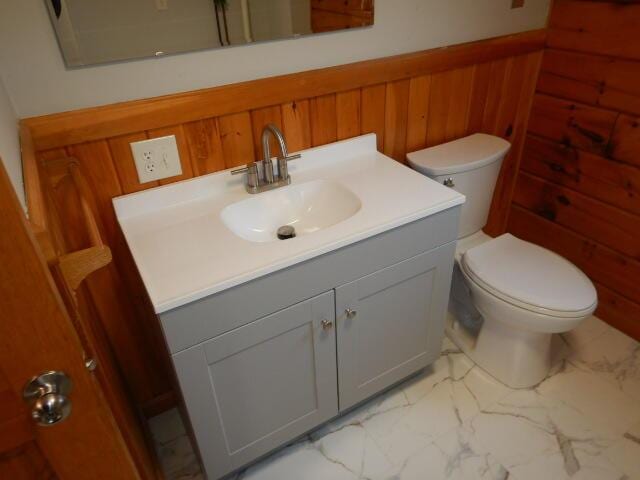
x=530, y=277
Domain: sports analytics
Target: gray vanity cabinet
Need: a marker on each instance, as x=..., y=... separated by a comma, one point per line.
x=260, y=385
x=390, y=323
x=264, y=362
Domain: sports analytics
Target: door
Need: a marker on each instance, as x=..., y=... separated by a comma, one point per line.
x=390, y=323
x=261, y=385
x=37, y=336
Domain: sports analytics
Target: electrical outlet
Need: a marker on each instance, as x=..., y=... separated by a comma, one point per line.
x=156, y=159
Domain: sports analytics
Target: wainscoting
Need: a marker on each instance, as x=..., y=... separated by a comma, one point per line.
x=578, y=191
x=410, y=101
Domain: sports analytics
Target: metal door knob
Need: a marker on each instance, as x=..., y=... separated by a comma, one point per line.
x=350, y=313
x=48, y=395
x=327, y=324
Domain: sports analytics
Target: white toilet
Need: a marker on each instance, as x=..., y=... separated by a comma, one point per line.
x=508, y=296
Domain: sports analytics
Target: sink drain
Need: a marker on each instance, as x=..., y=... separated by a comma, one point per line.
x=286, y=231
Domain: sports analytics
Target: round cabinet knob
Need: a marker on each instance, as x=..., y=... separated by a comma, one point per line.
x=327, y=324
x=449, y=182
x=48, y=396
x=350, y=313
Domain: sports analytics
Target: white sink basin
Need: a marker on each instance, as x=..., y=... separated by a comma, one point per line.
x=308, y=207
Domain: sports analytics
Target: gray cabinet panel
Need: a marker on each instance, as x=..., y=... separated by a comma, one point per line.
x=398, y=326
x=219, y=313
x=258, y=386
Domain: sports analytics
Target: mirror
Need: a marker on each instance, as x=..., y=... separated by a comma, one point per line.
x=100, y=31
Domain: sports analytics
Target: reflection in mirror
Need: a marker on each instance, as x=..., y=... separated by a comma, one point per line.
x=99, y=31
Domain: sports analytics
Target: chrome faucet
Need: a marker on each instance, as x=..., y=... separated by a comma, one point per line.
x=269, y=180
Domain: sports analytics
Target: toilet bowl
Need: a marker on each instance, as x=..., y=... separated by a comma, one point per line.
x=508, y=296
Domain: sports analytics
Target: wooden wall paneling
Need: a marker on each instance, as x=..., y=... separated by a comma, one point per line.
x=602, y=223
x=418, y=112
x=479, y=92
x=621, y=90
x=509, y=104
x=124, y=164
x=439, y=99
x=296, y=122
x=499, y=73
x=323, y=120
x=373, y=112
x=205, y=146
x=396, y=117
x=66, y=200
x=600, y=263
x=183, y=151
x=348, y=110
x=237, y=139
x=625, y=140
x=97, y=167
x=597, y=177
x=574, y=76
x=606, y=28
x=592, y=79
x=261, y=118
x=512, y=120
x=577, y=191
x=585, y=127
x=160, y=380
x=80, y=126
x=459, y=103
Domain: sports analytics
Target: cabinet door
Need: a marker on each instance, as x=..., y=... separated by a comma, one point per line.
x=395, y=326
x=256, y=387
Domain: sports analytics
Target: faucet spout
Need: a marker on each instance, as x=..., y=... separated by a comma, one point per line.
x=283, y=173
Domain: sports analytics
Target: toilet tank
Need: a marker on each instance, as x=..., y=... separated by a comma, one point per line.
x=470, y=166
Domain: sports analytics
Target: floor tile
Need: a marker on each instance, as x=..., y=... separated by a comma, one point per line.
x=587, y=331
x=538, y=437
x=615, y=357
x=607, y=407
x=625, y=454
x=456, y=455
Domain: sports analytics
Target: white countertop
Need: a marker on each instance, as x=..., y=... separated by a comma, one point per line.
x=184, y=251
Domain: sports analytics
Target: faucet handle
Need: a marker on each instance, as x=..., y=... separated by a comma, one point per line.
x=251, y=169
x=283, y=169
x=244, y=169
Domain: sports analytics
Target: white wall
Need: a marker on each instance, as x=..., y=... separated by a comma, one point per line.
x=9, y=143
x=38, y=82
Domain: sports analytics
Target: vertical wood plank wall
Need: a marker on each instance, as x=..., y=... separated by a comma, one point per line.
x=409, y=101
x=578, y=190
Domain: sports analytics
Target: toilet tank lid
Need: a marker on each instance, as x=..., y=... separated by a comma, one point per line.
x=468, y=153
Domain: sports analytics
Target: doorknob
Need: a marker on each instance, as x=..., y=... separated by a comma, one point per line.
x=48, y=396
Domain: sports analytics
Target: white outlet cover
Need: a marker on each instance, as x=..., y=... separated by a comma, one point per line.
x=156, y=158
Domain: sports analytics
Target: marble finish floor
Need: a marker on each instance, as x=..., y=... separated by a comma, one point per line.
x=454, y=421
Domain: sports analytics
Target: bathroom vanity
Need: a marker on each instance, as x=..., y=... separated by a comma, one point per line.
x=270, y=338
